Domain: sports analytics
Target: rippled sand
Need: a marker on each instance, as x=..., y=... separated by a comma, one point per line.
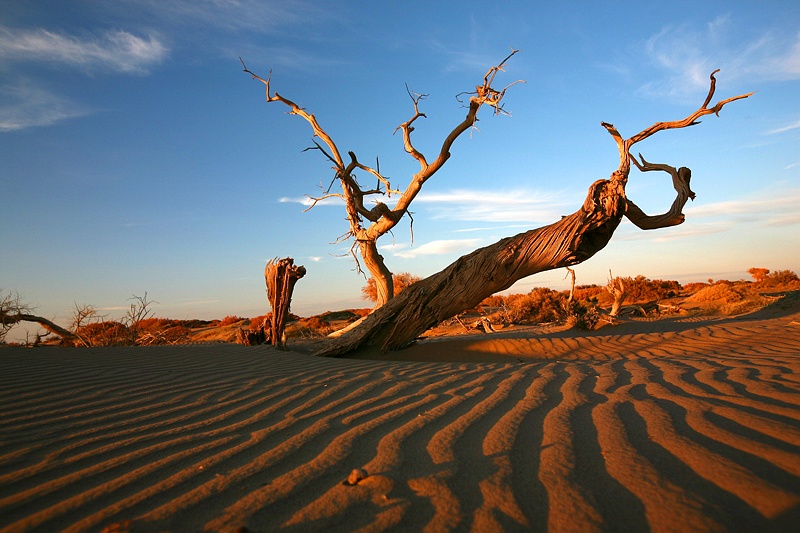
x=671, y=425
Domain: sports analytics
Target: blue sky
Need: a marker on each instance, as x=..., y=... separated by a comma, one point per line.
x=137, y=156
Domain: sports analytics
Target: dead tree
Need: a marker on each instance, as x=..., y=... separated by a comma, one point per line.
x=380, y=219
x=616, y=287
x=571, y=274
x=281, y=276
x=569, y=241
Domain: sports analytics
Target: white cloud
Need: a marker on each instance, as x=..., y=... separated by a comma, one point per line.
x=765, y=210
x=473, y=205
x=308, y=202
x=26, y=105
x=113, y=50
x=689, y=55
x=261, y=16
x=518, y=205
x=439, y=247
x=789, y=127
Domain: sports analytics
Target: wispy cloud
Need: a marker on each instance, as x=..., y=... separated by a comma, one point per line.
x=26, y=104
x=438, y=247
x=113, y=50
x=780, y=210
x=308, y=202
x=689, y=54
x=474, y=205
x=783, y=129
x=763, y=209
x=519, y=205
x=262, y=16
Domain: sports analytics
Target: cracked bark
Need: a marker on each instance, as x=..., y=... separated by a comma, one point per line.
x=486, y=271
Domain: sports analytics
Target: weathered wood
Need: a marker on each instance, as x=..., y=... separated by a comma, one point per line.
x=382, y=218
x=486, y=271
x=281, y=275
x=67, y=337
x=616, y=287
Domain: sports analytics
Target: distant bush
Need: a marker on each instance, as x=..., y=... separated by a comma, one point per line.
x=230, y=319
x=493, y=301
x=106, y=333
x=592, y=293
x=400, y=281
x=196, y=323
x=780, y=278
x=783, y=277
x=694, y=286
x=258, y=322
x=641, y=289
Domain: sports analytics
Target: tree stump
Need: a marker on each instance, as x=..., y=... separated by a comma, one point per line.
x=616, y=287
x=281, y=276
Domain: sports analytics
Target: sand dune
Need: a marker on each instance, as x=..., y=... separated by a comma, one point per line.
x=681, y=425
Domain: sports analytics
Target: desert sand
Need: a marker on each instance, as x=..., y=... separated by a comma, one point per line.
x=676, y=424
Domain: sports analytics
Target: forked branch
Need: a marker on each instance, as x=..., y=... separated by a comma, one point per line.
x=484, y=94
x=625, y=145
x=297, y=110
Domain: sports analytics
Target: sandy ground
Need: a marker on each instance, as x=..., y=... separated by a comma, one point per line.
x=670, y=425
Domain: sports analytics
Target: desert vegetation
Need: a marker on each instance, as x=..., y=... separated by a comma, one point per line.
x=400, y=282
x=589, y=307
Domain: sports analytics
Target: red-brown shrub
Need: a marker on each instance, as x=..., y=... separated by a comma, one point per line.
x=230, y=319
x=400, y=282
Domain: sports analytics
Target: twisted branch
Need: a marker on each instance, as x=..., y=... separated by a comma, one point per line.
x=624, y=145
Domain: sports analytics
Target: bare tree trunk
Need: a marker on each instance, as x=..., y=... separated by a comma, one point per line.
x=368, y=225
x=571, y=273
x=486, y=271
x=281, y=276
x=571, y=240
x=616, y=287
x=384, y=284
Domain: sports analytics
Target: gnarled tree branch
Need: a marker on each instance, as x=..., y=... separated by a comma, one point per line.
x=673, y=217
x=383, y=218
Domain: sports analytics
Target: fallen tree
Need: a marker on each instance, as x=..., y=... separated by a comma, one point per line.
x=569, y=241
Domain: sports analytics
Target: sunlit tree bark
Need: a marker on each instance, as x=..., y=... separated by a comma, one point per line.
x=367, y=225
x=569, y=241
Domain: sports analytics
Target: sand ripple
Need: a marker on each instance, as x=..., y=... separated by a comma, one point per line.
x=695, y=428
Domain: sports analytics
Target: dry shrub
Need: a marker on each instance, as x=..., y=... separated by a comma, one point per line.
x=538, y=306
x=106, y=333
x=400, y=281
x=695, y=286
x=229, y=320
x=173, y=334
x=493, y=301
x=308, y=327
x=195, y=323
x=773, y=280
x=258, y=322
x=642, y=289
x=583, y=316
x=595, y=294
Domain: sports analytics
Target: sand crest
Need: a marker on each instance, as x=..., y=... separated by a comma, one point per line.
x=682, y=425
